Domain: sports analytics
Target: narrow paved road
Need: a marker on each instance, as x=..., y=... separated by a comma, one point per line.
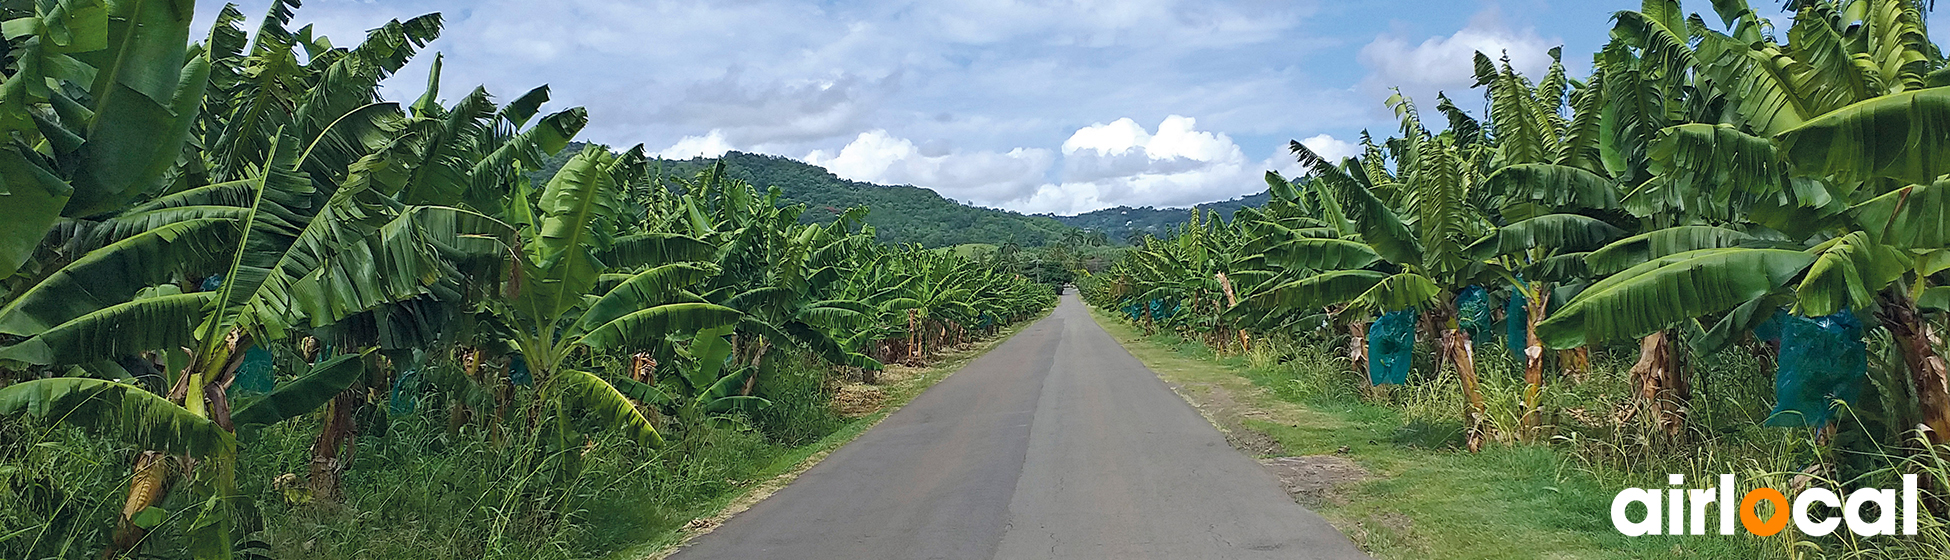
x=1056, y=444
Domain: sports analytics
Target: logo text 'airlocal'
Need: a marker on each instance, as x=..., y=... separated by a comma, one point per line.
x=1683, y=511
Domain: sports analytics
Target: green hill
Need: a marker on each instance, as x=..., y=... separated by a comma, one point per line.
x=899, y=213
x=1122, y=224
x=910, y=214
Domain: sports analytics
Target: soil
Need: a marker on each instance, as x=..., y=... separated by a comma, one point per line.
x=1312, y=480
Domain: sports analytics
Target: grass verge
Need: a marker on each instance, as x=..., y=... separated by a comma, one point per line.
x=1419, y=496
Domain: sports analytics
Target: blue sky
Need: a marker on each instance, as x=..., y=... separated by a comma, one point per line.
x=1035, y=106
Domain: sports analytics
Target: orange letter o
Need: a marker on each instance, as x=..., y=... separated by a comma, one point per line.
x=1751, y=520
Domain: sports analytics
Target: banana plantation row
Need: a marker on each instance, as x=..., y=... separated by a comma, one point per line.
x=206, y=237
x=1717, y=181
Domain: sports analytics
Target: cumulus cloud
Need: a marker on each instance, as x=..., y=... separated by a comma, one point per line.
x=1122, y=163
x=707, y=146
x=1102, y=165
x=1446, y=64
x=1334, y=149
x=983, y=177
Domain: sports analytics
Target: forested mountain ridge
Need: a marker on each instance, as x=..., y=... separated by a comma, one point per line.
x=898, y=213
x=1123, y=223
x=915, y=214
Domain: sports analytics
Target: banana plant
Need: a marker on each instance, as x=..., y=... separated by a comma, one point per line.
x=549, y=304
x=710, y=389
x=1803, y=150
x=1387, y=265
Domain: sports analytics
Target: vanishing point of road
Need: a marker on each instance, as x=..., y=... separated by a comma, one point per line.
x=1055, y=444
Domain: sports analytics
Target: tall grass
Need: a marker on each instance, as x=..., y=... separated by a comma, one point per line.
x=416, y=490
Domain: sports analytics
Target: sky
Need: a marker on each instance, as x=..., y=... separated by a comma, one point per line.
x=1037, y=106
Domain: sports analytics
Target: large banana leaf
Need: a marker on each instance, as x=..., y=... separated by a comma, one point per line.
x=33, y=198
x=115, y=331
x=709, y=350
x=90, y=236
x=145, y=99
x=1561, y=232
x=126, y=412
x=1315, y=292
x=574, y=206
x=1768, y=88
x=1377, y=224
x=645, y=290
x=648, y=328
x=441, y=175
x=1849, y=272
x=1663, y=292
x=1905, y=136
x=1701, y=168
x=1916, y=216
x=529, y=147
x=737, y=403
x=304, y=394
x=1401, y=291
x=1552, y=186
x=1629, y=252
x=651, y=249
x=112, y=275
x=1321, y=254
x=589, y=397
x=266, y=263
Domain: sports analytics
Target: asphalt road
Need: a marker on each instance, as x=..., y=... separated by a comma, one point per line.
x=1056, y=444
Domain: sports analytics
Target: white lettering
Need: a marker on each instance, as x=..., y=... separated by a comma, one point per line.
x=1909, y=504
x=1727, y=504
x=1885, y=501
x=1649, y=499
x=1811, y=527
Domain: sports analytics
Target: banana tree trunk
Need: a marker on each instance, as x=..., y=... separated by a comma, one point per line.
x=643, y=368
x=1357, y=350
x=913, y=334
x=1475, y=412
x=1661, y=384
x=336, y=434
x=1917, y=341
x=1232, y=300
x=200, y=389
x=1533, y=359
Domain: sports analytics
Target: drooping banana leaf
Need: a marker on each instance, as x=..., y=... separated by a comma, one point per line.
x=1662, y=292
x=583, y=395
x=125, y=412
x=302, y=395
x=1563, y=232
x=1905, y=136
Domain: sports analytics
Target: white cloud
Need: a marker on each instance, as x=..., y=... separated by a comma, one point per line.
x=1103, y=165
x=1334, y=149
x=1121, y=163
x=708, y=146
x=1447, y=64
x=982, y=177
